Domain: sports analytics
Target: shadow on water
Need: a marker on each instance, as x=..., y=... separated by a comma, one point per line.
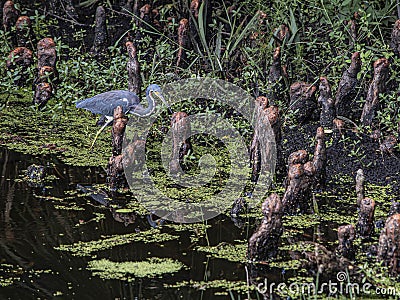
x=34, y=221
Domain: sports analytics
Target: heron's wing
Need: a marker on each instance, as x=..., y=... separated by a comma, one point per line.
x=105, y=103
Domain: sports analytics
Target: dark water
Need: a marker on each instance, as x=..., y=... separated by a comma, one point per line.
x=32, y=225
x=34, y=221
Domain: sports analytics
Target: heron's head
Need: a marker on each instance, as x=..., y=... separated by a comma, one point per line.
x=154, y=91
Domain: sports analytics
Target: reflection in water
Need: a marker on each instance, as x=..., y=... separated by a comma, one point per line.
x=35, y=176
x=154, y=223
x=33, y=223
x=100, y=196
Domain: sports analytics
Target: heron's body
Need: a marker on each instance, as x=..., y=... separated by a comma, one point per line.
x=105, y=103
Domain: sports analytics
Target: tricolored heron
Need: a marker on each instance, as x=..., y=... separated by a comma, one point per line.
x=105, y=104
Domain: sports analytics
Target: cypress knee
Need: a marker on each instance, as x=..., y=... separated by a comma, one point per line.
x=263, y=244
x=115, y=171
x=100, y=41
x=389, y=244
x=360, y=179
x=133, y=67
x=23, y=27
x=377, y=86
x=346, y=236
x=319, y=160
x=10, y=15
x=326, y=103
x=262, y=113
x=183, y=42
x=302, y=101
x=395, y=38
x=180, y=126
x=365, y=225
x=346, y=89
x=46, y=51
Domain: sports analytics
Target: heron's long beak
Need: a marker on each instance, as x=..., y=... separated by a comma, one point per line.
x=161, y=97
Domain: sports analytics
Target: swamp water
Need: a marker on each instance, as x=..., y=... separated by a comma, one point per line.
x=59, y=241
x=56, y=242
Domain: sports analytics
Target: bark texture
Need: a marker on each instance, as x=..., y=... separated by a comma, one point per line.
x=389, y=244
x=377, y=86
x=133, y=67
x=263, y=244
x=115, y=171
x=345, y=93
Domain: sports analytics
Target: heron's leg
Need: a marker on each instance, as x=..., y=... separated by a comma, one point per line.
x=101, y=121
x=108, y=121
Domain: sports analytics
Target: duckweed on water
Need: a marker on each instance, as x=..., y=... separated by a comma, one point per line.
x=12, y=274
x=67, y=134
x=299, y=246
x=52, y=198
x=293, y=264
x=91, y=247
x=124, y=210
x=219, y=284
x=196, y=227
x=301, y=221
x=235, y=253
x=197, y=230
x=134, y=205
x=152, y=267
x=291, y=232
x=69, y=207
x=339, y=218
x=383, y=198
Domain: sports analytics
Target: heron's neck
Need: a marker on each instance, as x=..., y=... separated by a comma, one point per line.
x=145, y=111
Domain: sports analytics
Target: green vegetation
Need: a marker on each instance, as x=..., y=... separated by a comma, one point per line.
x=237, y=46
x=129, y=270
x=235, y=253
x=11, y=274
x=224, y=287
x=88, y=248
x=319, y=45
